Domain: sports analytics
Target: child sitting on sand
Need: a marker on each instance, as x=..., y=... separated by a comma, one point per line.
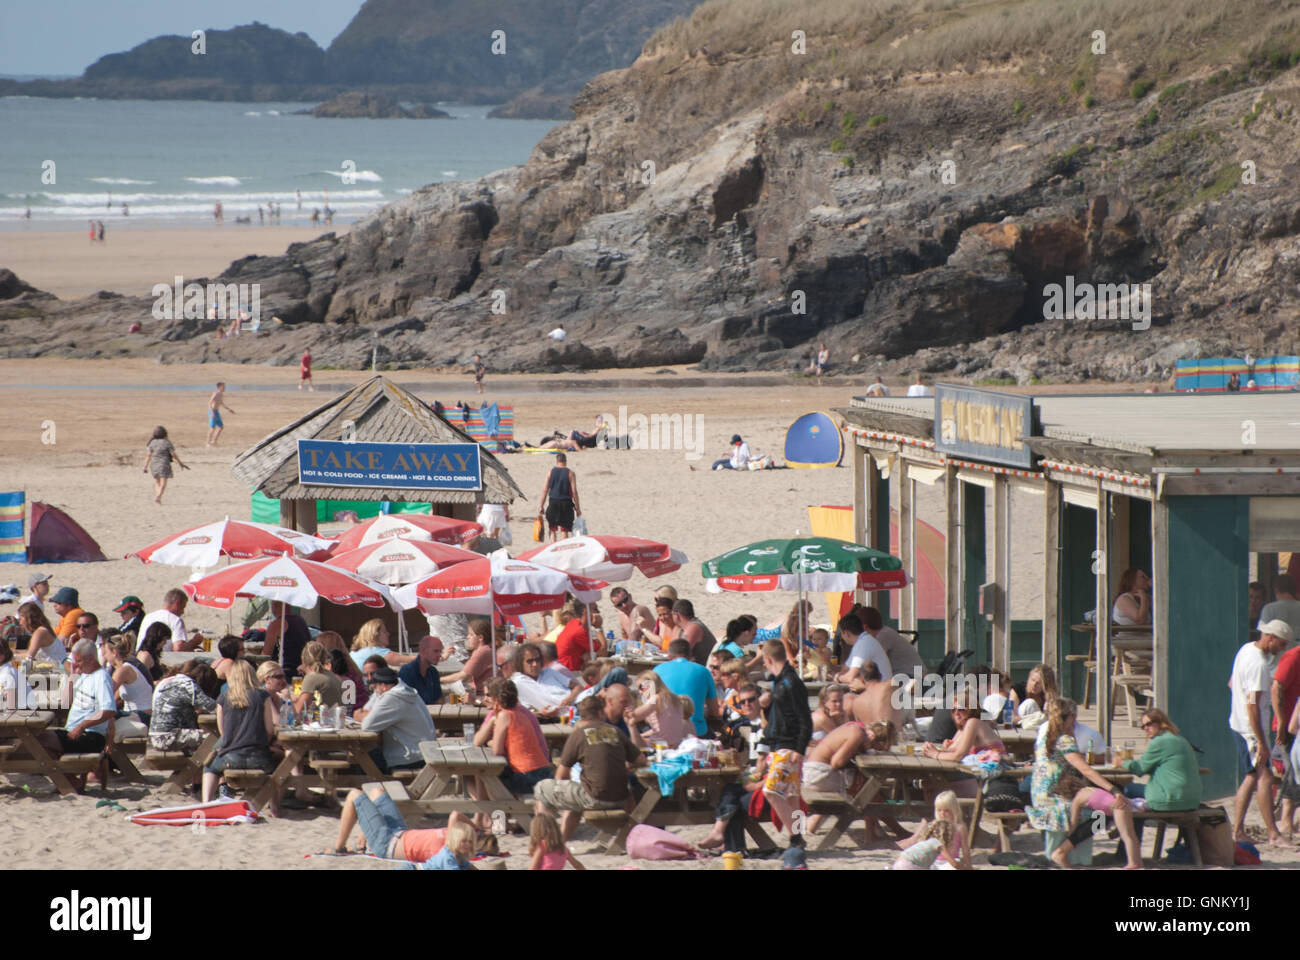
x=940, y=845
x=546, y=845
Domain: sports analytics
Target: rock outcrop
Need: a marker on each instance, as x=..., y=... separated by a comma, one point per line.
x=729, y=210
x=375, y=106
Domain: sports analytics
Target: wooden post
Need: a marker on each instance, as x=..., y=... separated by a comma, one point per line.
x=1051, y=652
x=907, y=544
x=862, y=503
x=1119, y=555
x=1101, y=560
x=877, y=494
x=1160, y=602
x=952, y=550
x=1002, y=572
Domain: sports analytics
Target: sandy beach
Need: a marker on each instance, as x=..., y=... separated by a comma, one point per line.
x=135, y=256
x=100, y=414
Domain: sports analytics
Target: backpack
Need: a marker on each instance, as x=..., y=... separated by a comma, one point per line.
x=645, y=842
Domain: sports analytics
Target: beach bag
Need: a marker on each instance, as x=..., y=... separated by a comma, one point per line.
x=1002, y=795
x=1244, y=855
x=538, y=530
x=580, y=527
x=504, y=537
x=645, y=842
x=1217, y=848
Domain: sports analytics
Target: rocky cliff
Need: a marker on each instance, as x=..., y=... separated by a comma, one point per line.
x=410, y=50
x=908, y=190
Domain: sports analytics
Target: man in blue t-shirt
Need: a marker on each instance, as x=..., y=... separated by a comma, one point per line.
x=686, y=678
x=421, y=674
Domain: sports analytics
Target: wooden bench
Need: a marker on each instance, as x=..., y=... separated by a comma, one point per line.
x=165, y=760
x=79, y=763
x=1188, y=821
x=239, y=779
x=329, y=771
x=1008, y=823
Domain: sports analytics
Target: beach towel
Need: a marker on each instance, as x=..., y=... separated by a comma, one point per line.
x=669, y=771
x=491, y=419
x=13, y=513
x=214, y=814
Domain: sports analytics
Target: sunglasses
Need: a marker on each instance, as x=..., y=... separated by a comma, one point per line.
x=532, y=660
x=747, y=701
x=85, y=626
x=276, y=676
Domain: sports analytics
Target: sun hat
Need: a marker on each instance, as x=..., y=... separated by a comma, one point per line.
x=65, y=595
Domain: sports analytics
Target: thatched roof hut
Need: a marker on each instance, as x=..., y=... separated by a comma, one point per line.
x=377, y=411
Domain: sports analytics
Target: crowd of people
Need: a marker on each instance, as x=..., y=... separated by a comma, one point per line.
x=704, y=687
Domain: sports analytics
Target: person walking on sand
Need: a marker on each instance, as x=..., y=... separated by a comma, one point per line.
x=159, y=455
x=304, y=373
x=93, y=231
x=479, y=372
x=101, y=230
x=215, y=403
x=561, y=491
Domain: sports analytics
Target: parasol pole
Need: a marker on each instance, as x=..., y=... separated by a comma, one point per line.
x=802, y=631
x=280, y=643
x=492, y=623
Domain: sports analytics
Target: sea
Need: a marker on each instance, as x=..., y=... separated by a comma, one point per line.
x=170, y=162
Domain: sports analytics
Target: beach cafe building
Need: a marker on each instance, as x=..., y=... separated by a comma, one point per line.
x=378, y=446
x=1198, y=490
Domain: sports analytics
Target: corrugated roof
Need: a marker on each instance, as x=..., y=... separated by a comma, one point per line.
x=1151, y=424
x=380, y=412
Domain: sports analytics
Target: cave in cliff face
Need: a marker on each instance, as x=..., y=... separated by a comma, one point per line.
x=738, y=190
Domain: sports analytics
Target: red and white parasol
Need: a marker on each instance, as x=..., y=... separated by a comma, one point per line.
x=411, y=526
x=239, y=539
x=608, y=558
x=294, y=582
x=399, y=561
x=513, y=586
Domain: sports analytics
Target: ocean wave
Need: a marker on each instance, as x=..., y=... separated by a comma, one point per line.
x=217, y=181
x=449, y=173
x=252, y=113
x=364, y=176
x=273, y=113
x=126, y=181
x=199, y=211
x=269, y=196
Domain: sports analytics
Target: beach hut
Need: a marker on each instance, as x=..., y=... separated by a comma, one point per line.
x=1200, y=490
x=814, y=440
x=375, y=443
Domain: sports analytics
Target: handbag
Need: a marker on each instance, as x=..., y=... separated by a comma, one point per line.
x=538, y=530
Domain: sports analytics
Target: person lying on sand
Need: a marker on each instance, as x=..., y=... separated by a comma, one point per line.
x=383, y=831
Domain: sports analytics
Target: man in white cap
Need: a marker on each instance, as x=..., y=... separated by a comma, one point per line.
x=38, y=586
x=1252, y=679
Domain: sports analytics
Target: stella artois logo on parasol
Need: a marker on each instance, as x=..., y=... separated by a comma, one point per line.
x=517, y=567
x=571, y=545
x=194, y=541
x=288, y=533
x=278, y=582
x=398, y=532
x=396, y=558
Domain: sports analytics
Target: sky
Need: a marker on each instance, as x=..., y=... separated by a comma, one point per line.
x=66, y=36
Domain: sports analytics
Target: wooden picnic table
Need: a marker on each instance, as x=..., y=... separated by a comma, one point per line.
x=639, y=665
x=903, y=768
x=452, y=717
x=18, y=734
x=678, y=809
x=298, y=742
x=433, y=789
